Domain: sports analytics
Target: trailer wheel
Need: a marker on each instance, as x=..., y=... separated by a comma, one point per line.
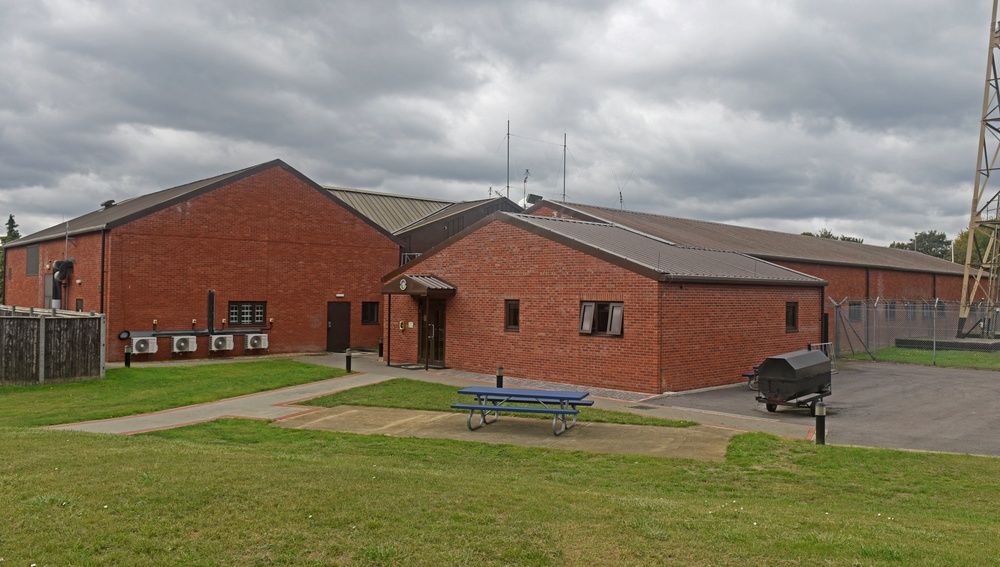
x=771, y=407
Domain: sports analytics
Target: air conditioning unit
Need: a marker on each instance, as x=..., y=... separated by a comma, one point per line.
x=255, y=341
x=187, y=343
x=143, y=345
x=221, y=342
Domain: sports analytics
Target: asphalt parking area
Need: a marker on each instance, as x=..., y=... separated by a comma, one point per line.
x=893, y=406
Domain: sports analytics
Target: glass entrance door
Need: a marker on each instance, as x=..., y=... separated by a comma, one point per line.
x=432, y=332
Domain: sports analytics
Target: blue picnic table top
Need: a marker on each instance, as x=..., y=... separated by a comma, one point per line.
x=546, y=395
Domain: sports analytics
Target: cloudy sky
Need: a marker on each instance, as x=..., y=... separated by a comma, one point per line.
x=857, y=116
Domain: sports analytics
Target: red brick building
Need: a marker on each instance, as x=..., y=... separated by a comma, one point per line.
x=595, y=305
x=289, y=264
x=854, y=271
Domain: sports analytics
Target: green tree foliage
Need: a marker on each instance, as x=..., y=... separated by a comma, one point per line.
x=932, y=243
x=12, y=234
x=827, y=233
x=962, y=242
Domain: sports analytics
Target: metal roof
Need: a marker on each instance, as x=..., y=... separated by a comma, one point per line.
x=389, y=211
x=765, y=244
x=680, y=263
x=128, y=210
x=450, y=210
x=637, y=252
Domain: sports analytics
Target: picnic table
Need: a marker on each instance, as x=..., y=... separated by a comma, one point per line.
x=491, y=401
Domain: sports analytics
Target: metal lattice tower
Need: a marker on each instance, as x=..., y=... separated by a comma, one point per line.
x=982, y=261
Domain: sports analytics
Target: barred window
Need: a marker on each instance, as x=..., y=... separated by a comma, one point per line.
x=512, y=315
x=854, y=311
x=247, y=312
x=911, y=312
x=791, y=316
x=31, y=269
x=890, y=311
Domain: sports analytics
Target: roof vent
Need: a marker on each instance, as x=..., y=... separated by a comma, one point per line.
x=108, y=204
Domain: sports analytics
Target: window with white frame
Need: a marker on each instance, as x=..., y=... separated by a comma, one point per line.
x=601, y=318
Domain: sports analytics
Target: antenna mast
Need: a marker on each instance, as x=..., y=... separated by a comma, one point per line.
x=984, y=220
x=564, y=167
x=508, y=159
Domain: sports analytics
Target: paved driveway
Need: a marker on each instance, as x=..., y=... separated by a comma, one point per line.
x=896, y=406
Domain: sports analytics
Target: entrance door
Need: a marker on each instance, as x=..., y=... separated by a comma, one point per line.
x=432, y=333
x=338, y=326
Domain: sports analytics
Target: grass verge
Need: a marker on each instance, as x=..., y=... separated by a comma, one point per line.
x=944, y=358
x=236, y=492
x=128, y=391
x=413, y=394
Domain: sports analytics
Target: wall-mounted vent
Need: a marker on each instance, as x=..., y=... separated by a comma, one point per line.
x=221, y=342
x=188, y=343
x=143, y=345
x=256, y=341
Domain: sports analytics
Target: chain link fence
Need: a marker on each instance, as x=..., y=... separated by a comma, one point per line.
x=870, y=326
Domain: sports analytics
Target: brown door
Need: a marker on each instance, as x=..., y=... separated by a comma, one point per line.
x=338, y=326
x=432, y=332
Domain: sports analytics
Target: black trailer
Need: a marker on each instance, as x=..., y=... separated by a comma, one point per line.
x=798, y=379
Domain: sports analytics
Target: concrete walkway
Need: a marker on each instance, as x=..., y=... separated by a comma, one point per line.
x=707, y=441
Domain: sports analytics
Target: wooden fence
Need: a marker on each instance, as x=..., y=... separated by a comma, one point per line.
x=50, y=345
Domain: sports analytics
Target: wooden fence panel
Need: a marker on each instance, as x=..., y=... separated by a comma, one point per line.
x=72, y=349
x=19, y=337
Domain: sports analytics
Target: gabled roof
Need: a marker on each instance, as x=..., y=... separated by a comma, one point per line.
x=639, y=253
x=389, y=211
x=765, y=244
x=455, y=209
x=129, y=210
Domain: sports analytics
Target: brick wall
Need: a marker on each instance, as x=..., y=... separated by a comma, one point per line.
x=29, y=291
x=269, y=237
x=500, y=262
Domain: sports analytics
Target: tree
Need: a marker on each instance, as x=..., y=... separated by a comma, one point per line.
x=12, y=234
x=931, y=242
x=961, y=244
x=827, y=233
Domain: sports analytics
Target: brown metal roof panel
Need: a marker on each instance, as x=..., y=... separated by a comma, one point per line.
x=126, y=210
x=451, y=210
x=668, y=259
x=768, y=244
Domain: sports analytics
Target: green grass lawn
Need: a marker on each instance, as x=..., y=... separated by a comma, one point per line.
x=240, y=492
x=945, y=358
x=414, y=394
x=128, y=391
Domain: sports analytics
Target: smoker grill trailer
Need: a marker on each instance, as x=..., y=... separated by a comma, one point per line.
x=799, y=379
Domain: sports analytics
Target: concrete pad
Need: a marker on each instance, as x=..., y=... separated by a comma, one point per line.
x=700, y=442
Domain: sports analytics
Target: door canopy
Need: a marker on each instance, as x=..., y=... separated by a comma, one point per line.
x=421, y=286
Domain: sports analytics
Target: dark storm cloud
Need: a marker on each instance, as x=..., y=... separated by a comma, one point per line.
x=857, y=116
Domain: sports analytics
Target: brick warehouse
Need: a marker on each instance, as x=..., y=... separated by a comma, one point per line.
x=284, y=258
x=595, y=305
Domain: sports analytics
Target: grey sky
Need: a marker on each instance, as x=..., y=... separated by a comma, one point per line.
x=857, y=116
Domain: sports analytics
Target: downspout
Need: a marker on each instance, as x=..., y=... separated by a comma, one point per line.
x=388, y=332
x=100, y=289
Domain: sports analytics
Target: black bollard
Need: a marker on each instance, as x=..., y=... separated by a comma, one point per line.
x=347, y=360
x=128, y=356
x=499, y=376
x=820, y=423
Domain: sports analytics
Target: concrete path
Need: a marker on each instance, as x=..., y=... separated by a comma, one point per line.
x=707, y=441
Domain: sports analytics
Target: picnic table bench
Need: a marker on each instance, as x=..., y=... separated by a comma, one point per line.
x=561, y=404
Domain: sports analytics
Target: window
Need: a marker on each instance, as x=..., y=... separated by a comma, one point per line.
x=601, y=318
x=911, y=312
x=927, y=310
x=791, y=316
x=890, y=311
x=369, y=312
x=247, y=312
x=79, y=304
x=512, y=317
x=854, y=311
x=32, y=265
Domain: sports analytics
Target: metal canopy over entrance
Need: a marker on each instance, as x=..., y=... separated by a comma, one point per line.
x=431, y=292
